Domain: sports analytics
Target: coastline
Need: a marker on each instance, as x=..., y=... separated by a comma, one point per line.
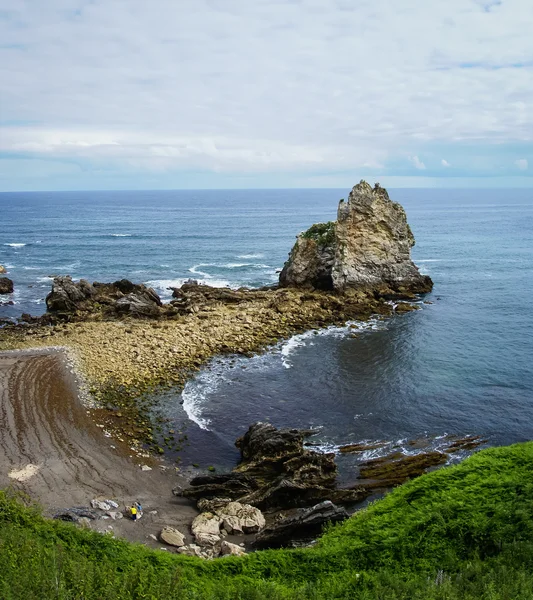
x=55, y=452
x=104, y=372
x=120, y=361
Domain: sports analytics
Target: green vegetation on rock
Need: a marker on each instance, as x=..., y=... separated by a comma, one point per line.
x=322, y=233
x=463, y=532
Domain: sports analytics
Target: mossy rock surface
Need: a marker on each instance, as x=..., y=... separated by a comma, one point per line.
x=322, y=233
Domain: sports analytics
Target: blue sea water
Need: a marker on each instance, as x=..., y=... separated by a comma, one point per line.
x=460, y=365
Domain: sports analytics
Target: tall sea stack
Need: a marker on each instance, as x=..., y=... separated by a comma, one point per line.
x=367, y=248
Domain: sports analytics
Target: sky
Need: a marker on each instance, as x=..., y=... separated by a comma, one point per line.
x=170, y=94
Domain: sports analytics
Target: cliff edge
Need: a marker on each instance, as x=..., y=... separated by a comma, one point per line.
x=367, y=248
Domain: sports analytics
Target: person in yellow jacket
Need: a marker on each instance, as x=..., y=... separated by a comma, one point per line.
x=133, y=511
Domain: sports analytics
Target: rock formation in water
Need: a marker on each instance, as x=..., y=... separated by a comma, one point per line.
x=6, y=285
x=2, y=270
x=121, y=297
x=367, y=248
x=276, y=472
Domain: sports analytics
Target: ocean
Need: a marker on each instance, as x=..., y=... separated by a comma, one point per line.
x=461, y=365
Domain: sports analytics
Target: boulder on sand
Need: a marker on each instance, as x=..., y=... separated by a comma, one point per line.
x=367, y=248
x=172, y=537
x=6, y=285
x=206, y=529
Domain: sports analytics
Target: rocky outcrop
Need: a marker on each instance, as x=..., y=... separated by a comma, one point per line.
x=300, y=528
x=6, y=285
x=276, y=472
x=105, y=299
x=3, y=270
x=238, y=519
x=232, y=518
x=206, y=529
x=367, y=248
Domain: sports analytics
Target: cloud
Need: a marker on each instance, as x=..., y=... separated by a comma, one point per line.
x=445, y=163
x=266, y=86
x=417, y=163
x=522, y=164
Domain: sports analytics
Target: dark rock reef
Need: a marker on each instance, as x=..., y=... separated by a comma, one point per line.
x=276, y=473
x=298, y=529
x=367, y=248
x=6, y=285
x=297, y=487
x=106, y=299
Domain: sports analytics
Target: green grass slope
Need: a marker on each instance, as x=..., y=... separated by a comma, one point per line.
x=461, y=532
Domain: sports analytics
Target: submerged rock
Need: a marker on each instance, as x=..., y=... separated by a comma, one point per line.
x=368, y=247
x=300, y=528
x=6, y=285
x=397, y=468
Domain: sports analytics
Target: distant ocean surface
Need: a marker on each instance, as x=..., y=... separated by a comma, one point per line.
x=460, y=365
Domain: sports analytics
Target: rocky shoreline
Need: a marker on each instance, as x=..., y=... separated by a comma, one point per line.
x=127, y=345
x=123, y=357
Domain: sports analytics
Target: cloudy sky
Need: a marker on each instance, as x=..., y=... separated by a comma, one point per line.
x=130, y=94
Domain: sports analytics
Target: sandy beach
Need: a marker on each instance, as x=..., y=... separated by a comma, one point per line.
x=53, y=450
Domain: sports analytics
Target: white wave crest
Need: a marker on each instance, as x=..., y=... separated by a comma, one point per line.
x=303, y=339
x=258, y=255
x=162, y=285
x=121, y=235
x=15, y=245
x=194, y=394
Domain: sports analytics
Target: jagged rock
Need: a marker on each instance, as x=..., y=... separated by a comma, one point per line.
x=67, y=296
x=191, y=550
x=368, y=247
x=228, y=549
x=6, y=285
x=139, y=304
x=206, y=529
x=231, y=485
x=211, y=505
x=2, y=270
x=192, y=297
x=172, y=537
x=120, y=297
x=276, y=472
x=240, y=518
x=74, y=514
x=300, y=528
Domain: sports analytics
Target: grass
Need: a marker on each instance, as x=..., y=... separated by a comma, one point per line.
x=461, y=532
x=322, y=233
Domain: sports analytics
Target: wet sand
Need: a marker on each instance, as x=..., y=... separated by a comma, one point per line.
x=52, y=449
